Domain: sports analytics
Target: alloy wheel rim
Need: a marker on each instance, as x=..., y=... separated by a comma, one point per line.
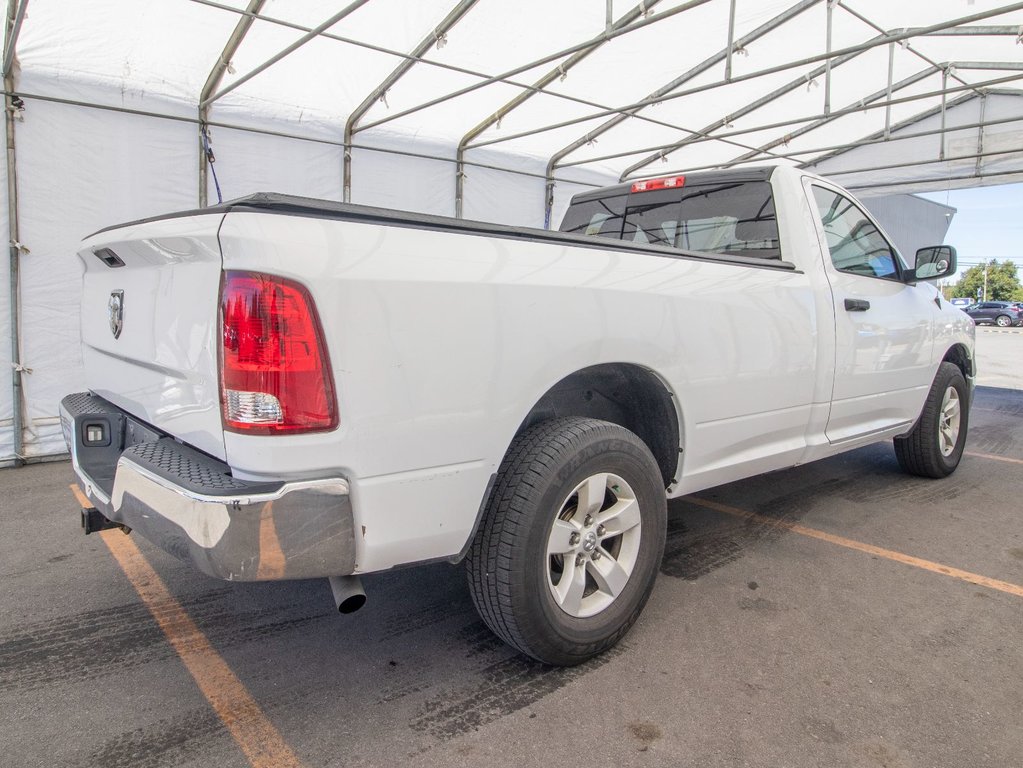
x=593, y=545
x=948, y=422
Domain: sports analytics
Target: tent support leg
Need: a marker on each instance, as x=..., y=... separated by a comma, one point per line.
x=459, y=183
x=980, y=133
x=15, y=16
x=827, y=62
x=888, y=91
x=15, y=268
x=204, y=173
x=731, y=40
x=213, y=82
x=548, y=195
x=944, y=90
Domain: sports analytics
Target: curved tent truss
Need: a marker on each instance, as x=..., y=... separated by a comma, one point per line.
x=488, y=109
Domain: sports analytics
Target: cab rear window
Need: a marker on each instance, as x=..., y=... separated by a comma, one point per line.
x=734, y=218
x=602, y=217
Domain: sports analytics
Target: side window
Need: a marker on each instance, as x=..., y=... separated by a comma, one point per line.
x=855, y=244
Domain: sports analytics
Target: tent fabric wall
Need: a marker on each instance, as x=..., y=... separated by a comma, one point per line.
x=911, y=221
x=917, y=159
x=404, y=182
x=87, y=163
x=248, y=162
x=84, y=168
x=78, y=171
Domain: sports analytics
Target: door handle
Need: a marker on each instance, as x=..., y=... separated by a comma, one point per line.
x=857, y=305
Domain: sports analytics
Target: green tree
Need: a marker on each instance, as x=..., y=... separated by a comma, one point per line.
x=1002, y=282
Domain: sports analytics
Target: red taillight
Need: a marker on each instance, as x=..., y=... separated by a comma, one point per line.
x=668, y=182
x=274, y=373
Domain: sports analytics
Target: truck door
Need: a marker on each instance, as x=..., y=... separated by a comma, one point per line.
x=883, y=326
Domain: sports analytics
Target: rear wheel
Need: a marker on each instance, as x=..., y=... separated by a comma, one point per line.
x=935, y=446
x=1003, y=321
x=571, y=540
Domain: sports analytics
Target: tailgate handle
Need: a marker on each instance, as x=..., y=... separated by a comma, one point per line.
x=857, y=305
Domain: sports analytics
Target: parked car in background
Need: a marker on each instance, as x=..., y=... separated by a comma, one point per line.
x=1000, y=313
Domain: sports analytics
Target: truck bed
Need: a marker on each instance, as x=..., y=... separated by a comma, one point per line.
x=310, y=207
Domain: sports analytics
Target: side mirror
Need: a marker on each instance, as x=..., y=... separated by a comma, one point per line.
x=933, y=263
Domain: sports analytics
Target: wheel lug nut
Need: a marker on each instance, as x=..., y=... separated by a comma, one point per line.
x=579, y=559
x=601, y=530
x=573, y=539
x=596, y=554
x=588, y=521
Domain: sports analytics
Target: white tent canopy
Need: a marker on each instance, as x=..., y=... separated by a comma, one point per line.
x=490, y=109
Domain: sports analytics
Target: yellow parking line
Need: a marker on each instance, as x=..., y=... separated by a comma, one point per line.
x=82, y=498
x=271, y=556
x=261, y=742
x=899, y=557
x=993, y=457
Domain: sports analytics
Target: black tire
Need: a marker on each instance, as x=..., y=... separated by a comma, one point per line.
x=509, y=567
x=920, y=452
x=1003, y=321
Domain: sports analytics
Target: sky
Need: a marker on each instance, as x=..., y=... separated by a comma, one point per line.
x=988, y=223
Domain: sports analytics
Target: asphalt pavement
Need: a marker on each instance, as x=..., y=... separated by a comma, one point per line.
x=836, y=614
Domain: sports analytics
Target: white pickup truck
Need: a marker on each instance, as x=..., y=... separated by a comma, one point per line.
x=284, y=388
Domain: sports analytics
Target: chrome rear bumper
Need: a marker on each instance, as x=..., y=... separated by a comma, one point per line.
x=189, y=505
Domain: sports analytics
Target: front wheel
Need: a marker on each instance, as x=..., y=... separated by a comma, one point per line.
x=571, y=540
x=935, y=445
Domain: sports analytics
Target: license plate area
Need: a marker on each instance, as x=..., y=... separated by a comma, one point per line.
x=100, y=440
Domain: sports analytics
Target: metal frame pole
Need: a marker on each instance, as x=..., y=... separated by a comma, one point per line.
x=980, y=131
x=956, y=31
x=888, y=91
x=485, y=78
x=749, y=108
x=504, y=76
x=913, y=164
x=827, y=63
x=912, y=120
x=731, y=39
x=835, y=114
x=280, y=134
x=213, y=82
x=310, y=35
x=661, y=93
x=838, y=148
x=15, y=16
x=944, y=98
x=14, y=22
x=903, y=34
x=1005, y=177
x=869, y=99
x=453, y=17
x=923, y=116
x=559, y=71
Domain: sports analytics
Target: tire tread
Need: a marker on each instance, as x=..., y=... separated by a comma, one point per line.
x=917, y=452
x=533, y=456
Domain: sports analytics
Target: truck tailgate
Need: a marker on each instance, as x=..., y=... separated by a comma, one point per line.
x=149, y=324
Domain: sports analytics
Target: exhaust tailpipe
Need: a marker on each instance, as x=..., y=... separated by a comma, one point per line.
x=349, y=596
